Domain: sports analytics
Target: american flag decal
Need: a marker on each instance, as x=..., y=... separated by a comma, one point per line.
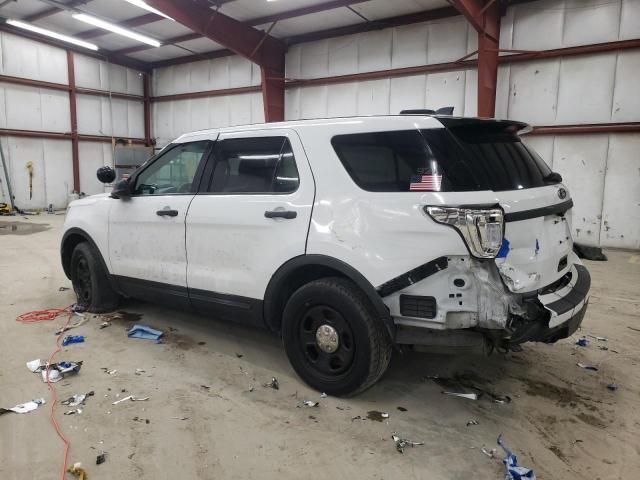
x=428, y=183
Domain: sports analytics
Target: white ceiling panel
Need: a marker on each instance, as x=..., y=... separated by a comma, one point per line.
x=114, y=41
x=339, y=17
x=163, y=29
x=248, y=9
x=113, y=9
x=162, y=53
x=378, y=9
x=63, y=22
x=22, y=8
x=201, y=45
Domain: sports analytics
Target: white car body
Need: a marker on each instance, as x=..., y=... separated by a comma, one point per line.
x=220, y=249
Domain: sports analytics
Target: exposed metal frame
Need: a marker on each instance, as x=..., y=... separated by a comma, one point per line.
x=13, y=132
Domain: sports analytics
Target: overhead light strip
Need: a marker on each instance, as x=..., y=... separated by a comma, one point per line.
x=148, y=8
x=49, y=33
x=83, y=17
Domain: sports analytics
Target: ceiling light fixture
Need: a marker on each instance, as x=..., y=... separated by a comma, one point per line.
x=83, y=17
x=148, y=8
x=49, y=33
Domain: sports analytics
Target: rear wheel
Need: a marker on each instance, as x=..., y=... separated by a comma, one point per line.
x=333, y=337
x=90, y=281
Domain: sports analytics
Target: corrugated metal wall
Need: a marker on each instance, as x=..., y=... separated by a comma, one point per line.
x=173, y=118
x=32, y=108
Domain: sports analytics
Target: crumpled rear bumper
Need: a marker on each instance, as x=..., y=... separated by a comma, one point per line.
x=568, y=301
x=565, y=303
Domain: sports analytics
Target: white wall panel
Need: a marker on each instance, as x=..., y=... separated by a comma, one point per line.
x=470, y=93
x=538, y=25
x=26, y=58
x=342, y=55
x=626, y=98
x=93, y=155
x=172, y=119
x=543, y=144
x=446, y=89
x=630, y=19
x=621, y=209
x=52, y=171
x=93, y=73
x=590, y=21
x=374, y=50
x=215, y=74
x=581, y=160
x=58, y=172
x=313, y=102
x=94, y=116
x=586, y=89
x=408, y=93
x=533, y=91
x=373, y=97
x=409, y=46
x=33, y=108
x=342, y=100
x=447, y=40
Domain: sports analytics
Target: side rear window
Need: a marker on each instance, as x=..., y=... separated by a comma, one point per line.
x=255, y=165
x=440, y=160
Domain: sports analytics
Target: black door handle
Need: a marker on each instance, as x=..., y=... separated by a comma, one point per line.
x=288, y=214
x=167, y=213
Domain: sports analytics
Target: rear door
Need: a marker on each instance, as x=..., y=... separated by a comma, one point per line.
x=252, y=217
x=147, y=230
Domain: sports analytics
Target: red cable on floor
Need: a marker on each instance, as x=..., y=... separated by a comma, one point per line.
x=43, y=315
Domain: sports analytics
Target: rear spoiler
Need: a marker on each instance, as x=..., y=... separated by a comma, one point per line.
x=444, y=115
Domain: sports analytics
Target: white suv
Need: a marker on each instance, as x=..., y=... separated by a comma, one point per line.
x=345, y=236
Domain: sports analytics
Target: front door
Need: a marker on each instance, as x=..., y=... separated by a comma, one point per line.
x=252, y=217
x=147, y=230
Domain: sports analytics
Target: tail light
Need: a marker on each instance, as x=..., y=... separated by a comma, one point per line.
x=482, y=229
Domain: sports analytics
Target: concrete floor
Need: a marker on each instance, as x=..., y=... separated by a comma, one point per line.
x=563, y=421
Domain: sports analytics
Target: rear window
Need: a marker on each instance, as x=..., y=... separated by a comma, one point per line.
x=457, y=159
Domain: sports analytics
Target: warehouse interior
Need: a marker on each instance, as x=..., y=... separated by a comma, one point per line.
x=76, y=95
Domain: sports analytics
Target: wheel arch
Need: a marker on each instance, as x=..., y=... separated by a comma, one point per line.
x=305, y=268
x=70, y=240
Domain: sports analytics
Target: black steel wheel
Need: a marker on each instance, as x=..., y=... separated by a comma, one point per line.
x=333, y=337
x=90, y=280
x=327, y=340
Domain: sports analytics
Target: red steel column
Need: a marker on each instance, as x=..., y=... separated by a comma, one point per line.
x=273, y=93
x=146, y=91
x=488, y=49
x=75, y=154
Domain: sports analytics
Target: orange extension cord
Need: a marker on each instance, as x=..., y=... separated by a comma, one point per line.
x=44, y=315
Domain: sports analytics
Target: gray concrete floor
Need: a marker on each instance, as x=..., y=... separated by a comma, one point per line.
x=563, y=421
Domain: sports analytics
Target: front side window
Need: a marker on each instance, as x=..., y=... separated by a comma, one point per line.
x=255, y=165
x=456, y=159
x=174, y=171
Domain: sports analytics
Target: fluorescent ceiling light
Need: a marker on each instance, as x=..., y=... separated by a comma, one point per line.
x=149, y=8
x=83, y=17
x=49, y=33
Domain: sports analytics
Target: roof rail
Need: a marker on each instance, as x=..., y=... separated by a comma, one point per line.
x=426, y=111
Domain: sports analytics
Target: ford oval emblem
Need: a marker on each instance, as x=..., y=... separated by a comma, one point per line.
x=562, y=193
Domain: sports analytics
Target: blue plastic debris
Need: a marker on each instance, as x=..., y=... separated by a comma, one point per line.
x=504, y=249
x=69, y=339
x=145, y=332
x=582, y=342
x=537, y=247
x=514, y=471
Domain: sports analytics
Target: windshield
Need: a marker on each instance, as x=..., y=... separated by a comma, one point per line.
x=457, y=159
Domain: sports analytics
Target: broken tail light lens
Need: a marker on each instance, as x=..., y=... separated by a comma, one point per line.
x=482, y=229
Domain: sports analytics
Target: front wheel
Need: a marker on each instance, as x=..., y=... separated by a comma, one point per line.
x=334, y=340
x=90, y=281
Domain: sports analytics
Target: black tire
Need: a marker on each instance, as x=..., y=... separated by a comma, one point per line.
x=363, y=350
x=91, y=281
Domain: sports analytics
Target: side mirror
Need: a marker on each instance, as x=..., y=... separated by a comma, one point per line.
x=106, y=174
x=122, y=189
